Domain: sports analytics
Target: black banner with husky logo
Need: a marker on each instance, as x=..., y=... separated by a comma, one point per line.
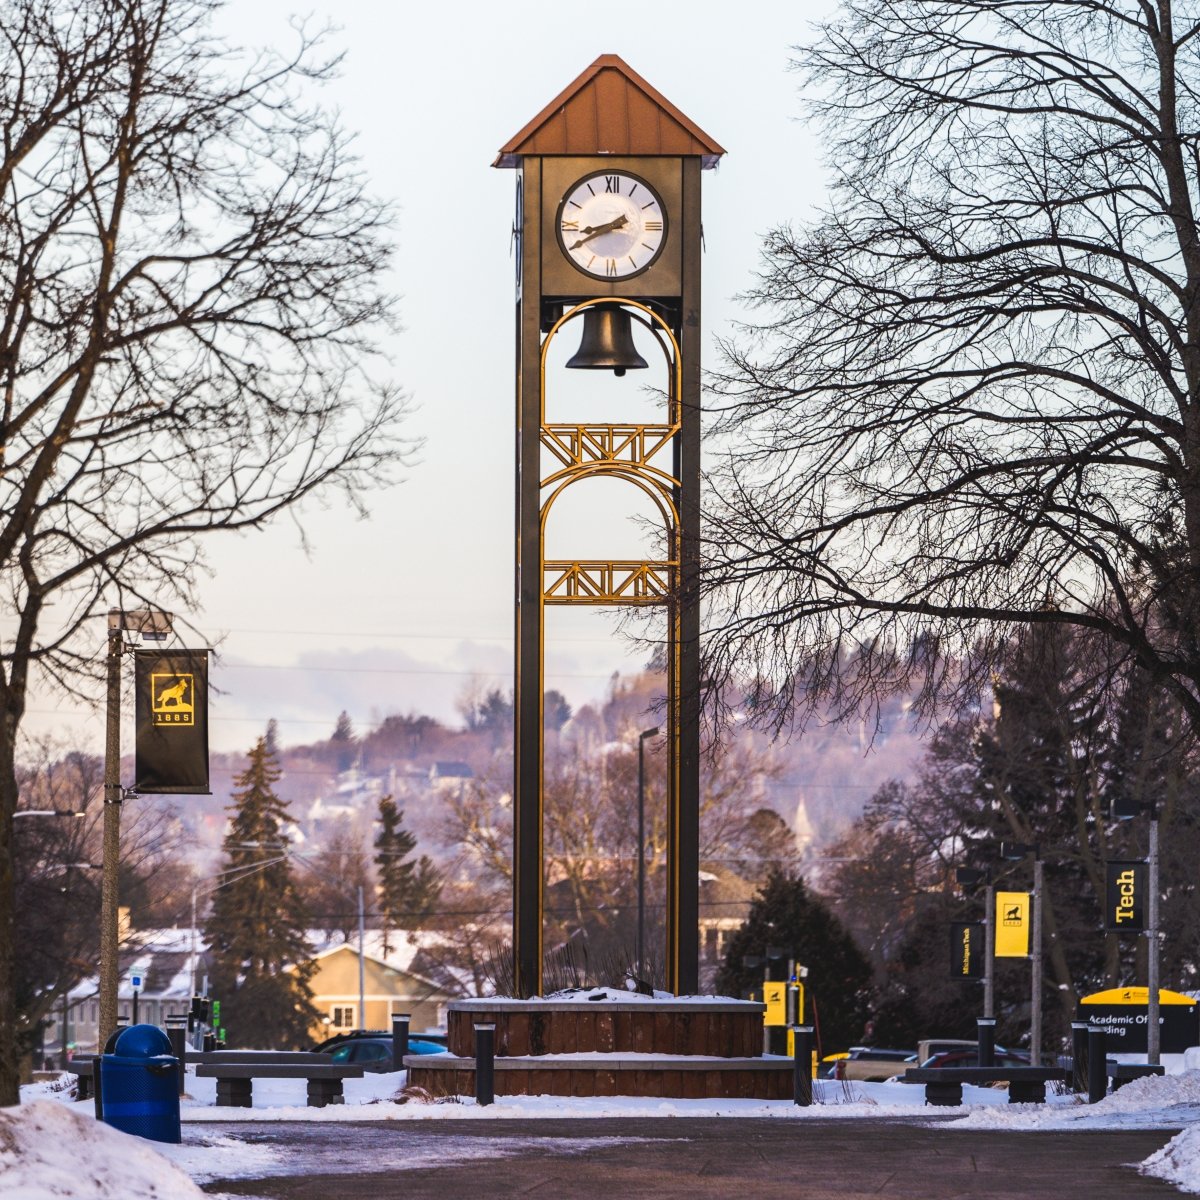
x=171, y=709
x=966, y=950
x=1125, y=896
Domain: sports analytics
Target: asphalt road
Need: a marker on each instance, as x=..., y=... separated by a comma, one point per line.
x=623, y=1159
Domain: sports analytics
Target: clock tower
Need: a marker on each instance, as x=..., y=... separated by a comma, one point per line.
x=609, y=238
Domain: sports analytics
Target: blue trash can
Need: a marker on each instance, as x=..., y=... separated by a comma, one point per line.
x=141, y=1085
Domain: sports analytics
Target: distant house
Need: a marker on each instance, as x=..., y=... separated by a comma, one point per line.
x=389, y=986
x=164, y=961
x=725, y=901
x=450, y=776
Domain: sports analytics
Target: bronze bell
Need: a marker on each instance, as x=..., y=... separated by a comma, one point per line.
x=607, y=342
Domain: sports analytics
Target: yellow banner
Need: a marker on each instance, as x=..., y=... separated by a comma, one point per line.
x=1012, y=924
x=775, y=998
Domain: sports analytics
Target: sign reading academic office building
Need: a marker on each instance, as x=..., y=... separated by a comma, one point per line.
x=1122, y=1012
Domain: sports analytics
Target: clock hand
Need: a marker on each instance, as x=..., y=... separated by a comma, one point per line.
x=599, y=229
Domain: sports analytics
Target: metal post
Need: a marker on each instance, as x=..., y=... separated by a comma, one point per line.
x=109, y=934
x=989, y=952
x=641, y=843
x=641, y=863
x=485, y=1064
x=987, y=1041
x=135, y=1006
x=1079, y=1063
x=192, y=947
x=177, y=1032
x=399, y=1039
x=66, y=1012
x=1097, y=1064
x=1035, y=996
x=1153, y=1041
x=802, y=1049
x=362, y=986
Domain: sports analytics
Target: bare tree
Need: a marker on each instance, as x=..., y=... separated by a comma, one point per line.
x=972, y=401
x=57, y=840
x=190, y=301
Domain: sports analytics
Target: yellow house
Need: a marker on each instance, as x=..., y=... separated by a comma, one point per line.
x=388, y=987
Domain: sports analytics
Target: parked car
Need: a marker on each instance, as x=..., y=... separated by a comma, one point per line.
x=373, y=1050
x=353, y=1034
x=968, y=1058
x=871, y=1064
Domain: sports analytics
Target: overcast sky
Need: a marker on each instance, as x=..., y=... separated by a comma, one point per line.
x=405, y=611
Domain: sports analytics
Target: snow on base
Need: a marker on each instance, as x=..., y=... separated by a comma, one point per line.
x=49, y=1152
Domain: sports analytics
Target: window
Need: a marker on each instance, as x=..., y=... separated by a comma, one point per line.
x=342, y=1016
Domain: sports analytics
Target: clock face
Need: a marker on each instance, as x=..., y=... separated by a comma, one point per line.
x=611, y=225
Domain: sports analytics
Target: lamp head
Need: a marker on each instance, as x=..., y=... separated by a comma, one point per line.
x=1125, y=808
x=1015, y=851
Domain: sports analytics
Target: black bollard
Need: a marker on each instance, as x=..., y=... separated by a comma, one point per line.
x=1079, y=1063
x=987, y=1041
x=485, y=1064
x=399, y=1039
x=177, y=1032
x=1097, y=1047
x=802, y=1049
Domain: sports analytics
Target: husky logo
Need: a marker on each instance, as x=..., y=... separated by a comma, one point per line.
x=173, y=699
x=1013, y=915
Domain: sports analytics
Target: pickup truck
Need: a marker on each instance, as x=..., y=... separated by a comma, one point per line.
x=870, y=1064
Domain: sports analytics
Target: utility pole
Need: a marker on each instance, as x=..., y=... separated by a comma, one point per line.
x=109, y=900
x=362, y=982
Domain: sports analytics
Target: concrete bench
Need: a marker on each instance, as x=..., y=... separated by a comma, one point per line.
x=235, y=1080
x=943, y=1085
x=1122, y=1073
x=83, y=1068
x=252, y=1057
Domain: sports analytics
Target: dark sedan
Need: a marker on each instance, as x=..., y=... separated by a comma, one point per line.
x=374, y=1052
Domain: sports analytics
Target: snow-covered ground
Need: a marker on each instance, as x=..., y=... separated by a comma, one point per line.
x=51, y=1147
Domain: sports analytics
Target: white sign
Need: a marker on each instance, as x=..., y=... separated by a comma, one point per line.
x=135, y=981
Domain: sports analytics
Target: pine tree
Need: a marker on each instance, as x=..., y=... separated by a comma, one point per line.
x=784, y=914
x=259, y=961
x=344, y=741
x=407, y=889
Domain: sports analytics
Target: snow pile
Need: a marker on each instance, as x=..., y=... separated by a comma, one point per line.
x=1153, y=1091
x=1178, y=1162
x=49, y=1152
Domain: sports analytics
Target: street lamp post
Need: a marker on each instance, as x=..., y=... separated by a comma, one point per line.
x=155, y=625
x=1013, y=852
x=1124, y=809
x=641, y=851
x=969, y=878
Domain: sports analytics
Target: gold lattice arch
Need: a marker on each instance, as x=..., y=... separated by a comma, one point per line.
x=621, y=451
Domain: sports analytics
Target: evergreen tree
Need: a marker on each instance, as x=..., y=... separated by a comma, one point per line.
x=344, y=742
x=260, y=962
x=785, y=914
x=408, y=889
